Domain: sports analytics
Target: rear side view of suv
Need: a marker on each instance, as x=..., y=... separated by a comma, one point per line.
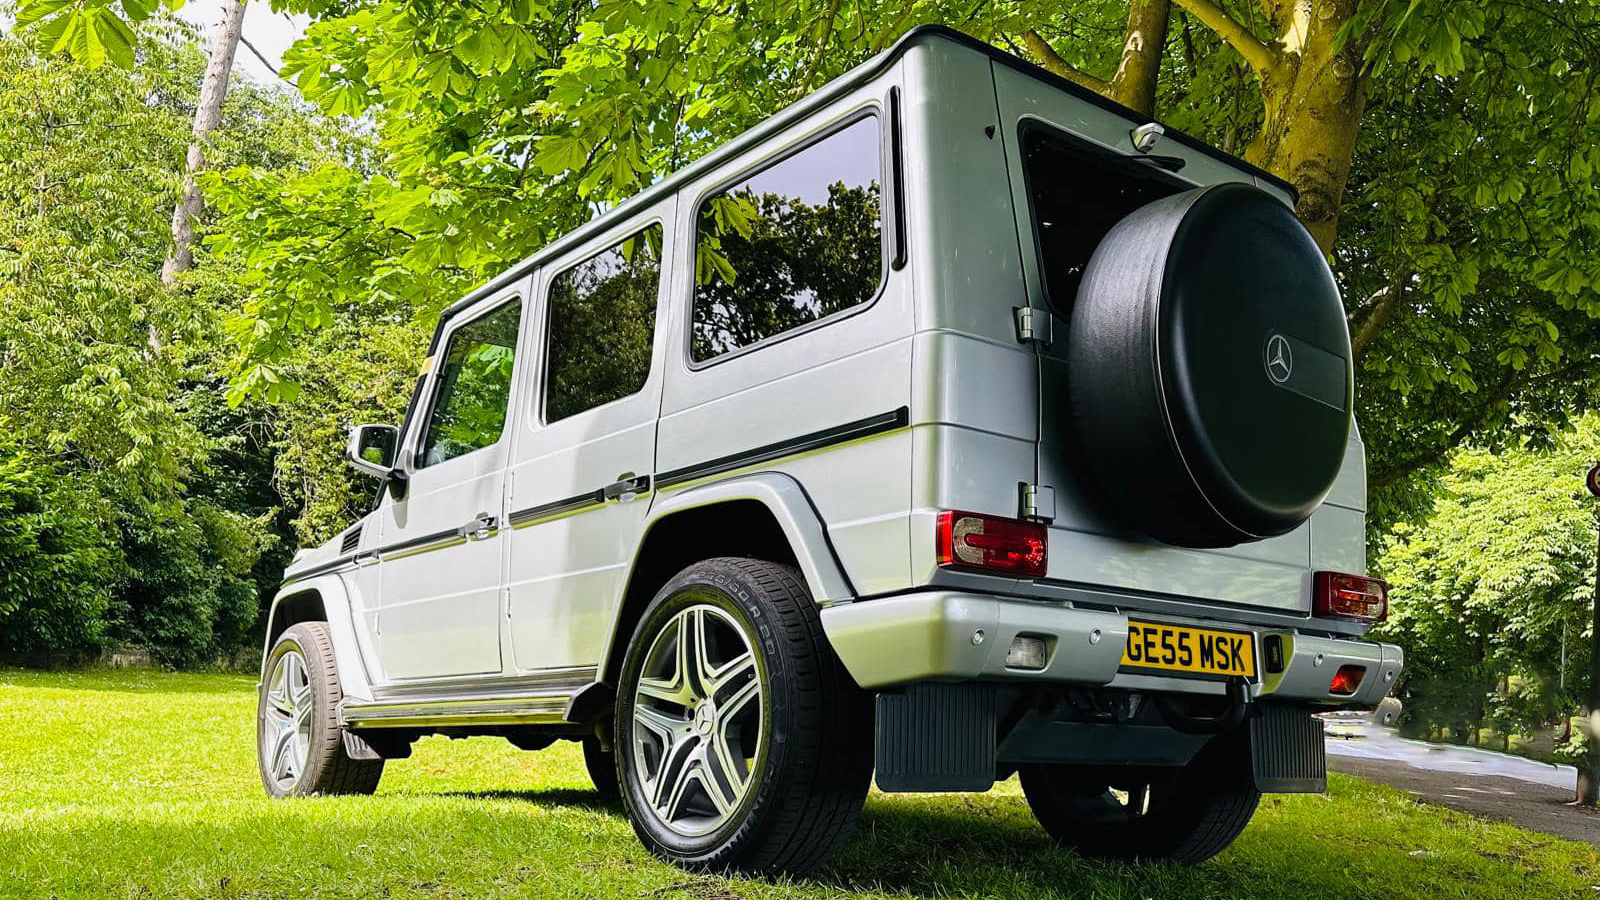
x=953, y=423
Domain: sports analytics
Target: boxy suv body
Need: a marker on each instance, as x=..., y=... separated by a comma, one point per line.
x=952, y=423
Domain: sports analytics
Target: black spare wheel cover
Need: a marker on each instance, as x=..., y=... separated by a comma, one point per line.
x=1209, y=368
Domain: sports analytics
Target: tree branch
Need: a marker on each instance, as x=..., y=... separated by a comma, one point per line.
x=1053, y=62
x=1383, y=304
x=1260, y=56
x=259, y=55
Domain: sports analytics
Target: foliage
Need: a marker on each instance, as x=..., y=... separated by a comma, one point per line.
x=112, y=386
x=57, y=558
x=1492, y=585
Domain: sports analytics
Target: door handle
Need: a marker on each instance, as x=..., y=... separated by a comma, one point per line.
x=629, y=487
x=477, y=528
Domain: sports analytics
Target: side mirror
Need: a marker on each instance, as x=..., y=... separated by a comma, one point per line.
x=373, y=448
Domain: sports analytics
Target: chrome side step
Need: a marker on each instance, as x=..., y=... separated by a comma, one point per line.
x=536, y=709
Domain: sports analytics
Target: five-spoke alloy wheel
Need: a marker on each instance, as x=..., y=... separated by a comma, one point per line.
x=742, y=743
x=697, y=720
x=299, y=741
x=286, y=721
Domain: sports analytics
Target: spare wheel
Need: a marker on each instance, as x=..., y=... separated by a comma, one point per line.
x=1209, y=368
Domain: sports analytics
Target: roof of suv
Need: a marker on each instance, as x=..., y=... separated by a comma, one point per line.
x=820, y=97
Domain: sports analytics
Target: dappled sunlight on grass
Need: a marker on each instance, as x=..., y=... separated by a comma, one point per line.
x=112, y=786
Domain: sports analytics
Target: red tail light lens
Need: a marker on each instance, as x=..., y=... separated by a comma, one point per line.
x=1336, y=595
x=991, y=544
x=1347, y=680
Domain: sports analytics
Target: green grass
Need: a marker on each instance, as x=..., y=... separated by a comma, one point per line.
x=124, y=785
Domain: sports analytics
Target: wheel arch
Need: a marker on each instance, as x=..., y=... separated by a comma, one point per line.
x=767, y=515
x=321, y=599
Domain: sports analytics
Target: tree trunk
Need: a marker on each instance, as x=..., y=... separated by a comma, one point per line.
x=1134, y=84
x=1314, y=96
x=208, y=113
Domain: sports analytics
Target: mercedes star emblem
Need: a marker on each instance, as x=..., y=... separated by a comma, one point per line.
x=1280, y=359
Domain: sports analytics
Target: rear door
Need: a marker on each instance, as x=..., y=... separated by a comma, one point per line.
x=580, y=481
x=1074, y=175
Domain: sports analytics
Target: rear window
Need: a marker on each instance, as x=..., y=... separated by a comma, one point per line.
x=1077, y=193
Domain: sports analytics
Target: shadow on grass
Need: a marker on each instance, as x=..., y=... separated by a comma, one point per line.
x=572, y=798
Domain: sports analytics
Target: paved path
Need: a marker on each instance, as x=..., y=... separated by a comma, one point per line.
x=1494, y=785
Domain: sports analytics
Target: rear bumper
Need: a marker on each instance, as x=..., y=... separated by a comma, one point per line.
x=962, y=636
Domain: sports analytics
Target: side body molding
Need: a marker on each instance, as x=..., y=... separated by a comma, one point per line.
x=336, y=593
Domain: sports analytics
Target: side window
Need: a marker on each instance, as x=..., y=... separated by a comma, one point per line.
x=474, y=383
x=791, y=244
x=602, y=326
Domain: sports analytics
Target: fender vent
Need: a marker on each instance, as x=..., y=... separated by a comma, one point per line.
x=351, y=540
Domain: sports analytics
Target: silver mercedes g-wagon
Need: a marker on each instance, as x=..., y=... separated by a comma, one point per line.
x=954, y=423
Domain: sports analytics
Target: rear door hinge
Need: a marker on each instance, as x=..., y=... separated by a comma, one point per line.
x=1034, y=326
x=1038, y=502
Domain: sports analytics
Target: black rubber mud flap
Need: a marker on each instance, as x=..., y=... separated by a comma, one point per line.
x=1288, y=752
x=936, y=737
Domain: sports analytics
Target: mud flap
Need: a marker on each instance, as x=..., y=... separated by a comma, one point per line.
x=1288, y=754
x=936, y=737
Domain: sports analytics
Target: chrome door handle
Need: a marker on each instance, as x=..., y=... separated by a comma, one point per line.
x=626, y=489
x=477, y=528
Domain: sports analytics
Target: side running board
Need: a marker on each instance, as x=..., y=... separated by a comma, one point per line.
x=534, y=709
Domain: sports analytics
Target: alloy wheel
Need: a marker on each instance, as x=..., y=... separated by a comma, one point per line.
x=286, y=723
x=697, y=720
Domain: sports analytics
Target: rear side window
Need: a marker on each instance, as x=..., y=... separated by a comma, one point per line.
x=469, y=407
x=602, y=326
x=1076, y=195
x=796, y=242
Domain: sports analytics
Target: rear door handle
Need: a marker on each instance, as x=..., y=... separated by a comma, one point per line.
x=626, y=489
x=477, y=528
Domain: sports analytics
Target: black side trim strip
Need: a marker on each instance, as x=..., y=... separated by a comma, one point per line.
x=838, y=434
x=332, y=565
x=899, y=181
x=420, y=540
x=544, y=510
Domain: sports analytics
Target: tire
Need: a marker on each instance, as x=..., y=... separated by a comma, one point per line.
x=299, y=741
x=783, y=714
x=1209, y=373
x=1192, y=814
x=602, y=766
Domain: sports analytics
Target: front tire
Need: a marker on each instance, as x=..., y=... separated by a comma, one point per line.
x=742, y=742
x=299, y=741
x=1186, y=815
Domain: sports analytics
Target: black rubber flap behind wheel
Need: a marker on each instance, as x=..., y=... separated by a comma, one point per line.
x=1209, y=368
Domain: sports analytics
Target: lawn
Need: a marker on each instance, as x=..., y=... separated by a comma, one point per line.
x=142, y=784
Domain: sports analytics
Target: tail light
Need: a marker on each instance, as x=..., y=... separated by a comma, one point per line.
x=990, y=544
x=1336, y=595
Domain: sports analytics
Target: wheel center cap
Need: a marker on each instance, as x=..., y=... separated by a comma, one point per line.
x=705, y=718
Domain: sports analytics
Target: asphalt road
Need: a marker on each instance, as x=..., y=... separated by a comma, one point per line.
x=1494, y=785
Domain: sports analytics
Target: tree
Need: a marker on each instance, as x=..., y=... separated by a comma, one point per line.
x=207, y=114
x=1490, y=586
x=124, y=476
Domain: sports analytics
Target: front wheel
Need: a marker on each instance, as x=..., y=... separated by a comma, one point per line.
x=299, y=741
x=742, y=742
x=1185, y=815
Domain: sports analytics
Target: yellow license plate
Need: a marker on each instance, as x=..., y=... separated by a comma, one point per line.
x=1196, y=651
